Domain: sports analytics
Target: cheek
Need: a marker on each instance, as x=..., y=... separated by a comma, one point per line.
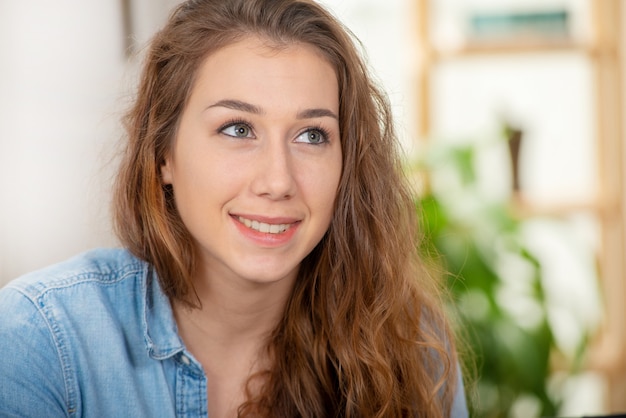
x=200, y=184
x=320, y=188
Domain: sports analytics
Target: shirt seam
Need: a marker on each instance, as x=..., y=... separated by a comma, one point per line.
x=70, y=402
x=104, y=279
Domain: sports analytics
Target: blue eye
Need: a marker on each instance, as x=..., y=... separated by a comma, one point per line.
x=313, y=137
x=237, y=130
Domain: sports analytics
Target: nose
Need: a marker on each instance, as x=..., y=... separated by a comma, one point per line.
x=274, y=174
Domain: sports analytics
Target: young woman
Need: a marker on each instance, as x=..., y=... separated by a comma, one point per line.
x=270, y=265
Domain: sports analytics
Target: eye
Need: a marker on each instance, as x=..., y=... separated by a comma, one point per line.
x=237, y=130
x=313, y=137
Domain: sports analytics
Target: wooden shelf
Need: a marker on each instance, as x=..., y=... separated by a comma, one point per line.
x=525, y=207
x=522, y=46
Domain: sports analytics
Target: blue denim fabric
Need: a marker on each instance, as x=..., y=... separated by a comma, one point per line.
x=95, y=337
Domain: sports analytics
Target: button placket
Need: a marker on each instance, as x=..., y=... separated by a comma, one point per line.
x=191, y=389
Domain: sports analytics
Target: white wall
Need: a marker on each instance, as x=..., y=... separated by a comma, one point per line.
x=63, y=80
x=61, y=66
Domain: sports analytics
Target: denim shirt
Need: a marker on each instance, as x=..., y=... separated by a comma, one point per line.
x=95, y=336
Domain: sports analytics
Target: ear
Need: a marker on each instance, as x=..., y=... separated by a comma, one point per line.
x=166, y=171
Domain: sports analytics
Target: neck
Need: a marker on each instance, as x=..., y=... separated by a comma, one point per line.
x=233, y=311
x=228, y=334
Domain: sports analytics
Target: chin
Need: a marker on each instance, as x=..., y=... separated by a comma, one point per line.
x=270, y=275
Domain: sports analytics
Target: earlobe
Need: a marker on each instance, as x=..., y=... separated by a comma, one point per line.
x=166, y=172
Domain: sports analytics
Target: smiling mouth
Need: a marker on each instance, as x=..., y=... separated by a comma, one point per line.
x=264, y=227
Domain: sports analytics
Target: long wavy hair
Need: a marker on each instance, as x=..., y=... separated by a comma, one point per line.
x=363, y=333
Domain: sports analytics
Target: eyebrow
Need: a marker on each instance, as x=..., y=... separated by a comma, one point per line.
x=250, y=108
x=237, y=105
x=316, y=113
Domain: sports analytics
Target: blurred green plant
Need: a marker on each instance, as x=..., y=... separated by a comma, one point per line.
x=496, y=285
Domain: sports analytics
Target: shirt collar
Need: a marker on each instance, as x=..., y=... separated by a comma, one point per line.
x=160, y=330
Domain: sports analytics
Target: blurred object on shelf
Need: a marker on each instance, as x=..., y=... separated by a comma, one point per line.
x=519, y=26
x=514, y=137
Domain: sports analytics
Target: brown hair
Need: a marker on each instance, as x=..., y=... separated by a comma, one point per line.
x=363, y=333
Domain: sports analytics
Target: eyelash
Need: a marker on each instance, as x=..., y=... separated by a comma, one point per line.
x=323, y=131
x=233, y=122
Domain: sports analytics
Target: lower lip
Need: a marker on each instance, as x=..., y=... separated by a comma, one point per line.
x=266, y=239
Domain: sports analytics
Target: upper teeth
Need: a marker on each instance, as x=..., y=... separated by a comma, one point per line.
x=263, y=227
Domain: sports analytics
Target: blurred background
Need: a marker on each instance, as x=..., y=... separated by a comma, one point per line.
x=511, y=114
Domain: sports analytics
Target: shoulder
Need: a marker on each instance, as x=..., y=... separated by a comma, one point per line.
x=99, y=267
x=102, y=264
x=103, y=286
x=54, y=321
x=85, y=288
x=74, y=301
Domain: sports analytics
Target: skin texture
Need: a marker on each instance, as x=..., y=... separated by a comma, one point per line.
x=258, y=142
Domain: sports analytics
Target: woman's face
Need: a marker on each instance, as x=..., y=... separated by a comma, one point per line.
x=256, y=162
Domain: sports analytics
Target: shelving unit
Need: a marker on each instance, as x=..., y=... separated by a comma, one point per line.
x=606, y=55
x=513, y=48
x=609, y=21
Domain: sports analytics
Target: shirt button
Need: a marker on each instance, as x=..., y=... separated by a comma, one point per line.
x=185, y=359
